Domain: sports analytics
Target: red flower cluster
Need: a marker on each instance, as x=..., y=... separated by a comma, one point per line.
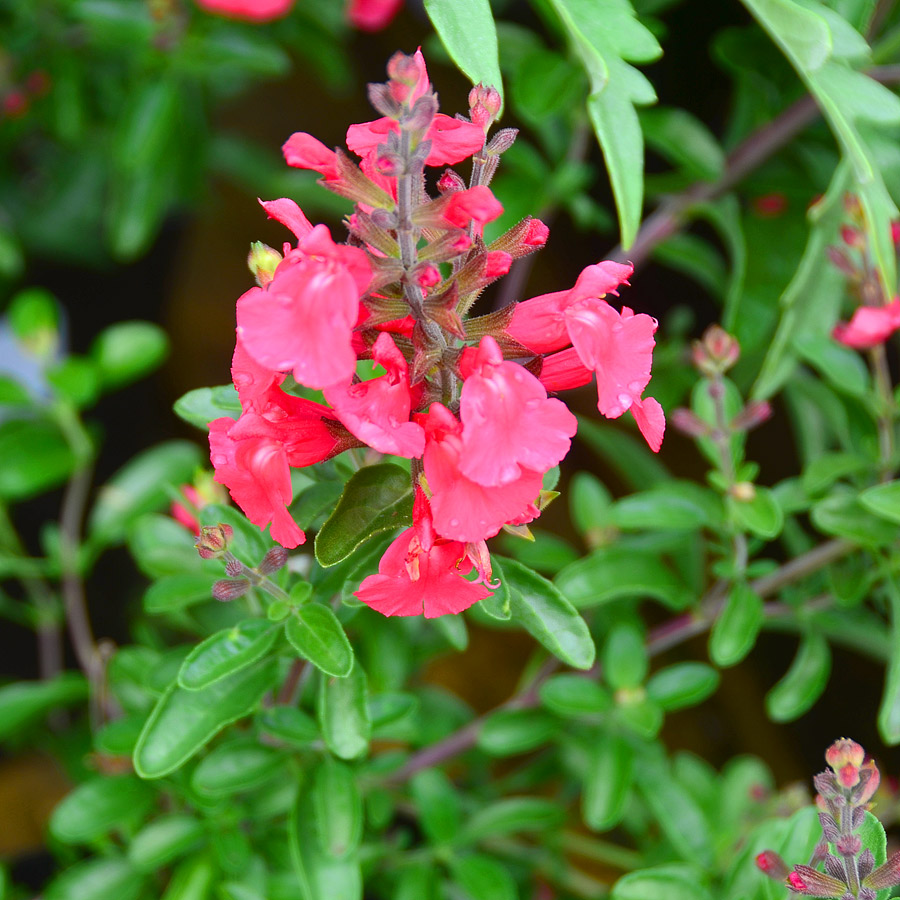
x=464, y=398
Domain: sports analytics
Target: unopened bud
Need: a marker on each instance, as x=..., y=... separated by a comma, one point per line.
x=450, y=181
x=809, y=881
x=502, y=141
x=869, y=779
x=895, y=233
x=389, y=164
x=484, y=105
x=844, y=751
x=754, y=413
x=234, y=567
x=852, y=237
x=770, y=206
x=866, y=863
x=772, y=864
x=829, y=827
x=848, y=845
x=212, y=542
x=743, y=491
x=496, y=264
x=886, y=875
x=427, y=276
x=273, y=561
x=403, y=69
x=716, y=352
x=689, y=423
x=262, y=262
x=383, y=98
x=422, y=114
x=227, y=589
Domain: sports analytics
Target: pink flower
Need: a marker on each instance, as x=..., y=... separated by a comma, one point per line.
x=289, y=214
x=372, y=15
x=422, y=573
x=250, y=10
x=303, y=320
x=509, y=424
x=564, y=371
x=475, y=204
x=651, y=421
x=464, y=510
x=377, y=411
x=303, y=151
x=869, y=326
x=254, y=383
x=451, y=139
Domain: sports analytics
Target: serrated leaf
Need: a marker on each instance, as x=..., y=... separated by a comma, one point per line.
x=183, y=721
x=544, y=612
x=376, y=498
x=317, y=635
x=226, y=652
x=466, y=28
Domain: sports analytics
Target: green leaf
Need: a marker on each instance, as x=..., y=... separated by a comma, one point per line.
x=466, y=28
x=883, y=500
x=107, y=878
x=510, y=816
x=98, y=806
x=199, y=407
x=613, y=572
x=127, y=351
x=889, y=708
x=289, y=724
x=544, y=612
x=376, y=498
x=684, y=140
x=803, y=682
x=603, y=38
x=36, y=457
x=574, y=696
x=760, y=515
x=822, y=473
x=239, y=765
x=24, y=702
x=624, y=656
x=510, y=731
x=840, y=366
x=192, y=879
x=483, y=878
x=317, y=635
x=682, y=684
x=226, y=652
x=607, y=781
x=33, y=315
x=344, y=713
x=673, y=505
x=164, y=840
x=670, y=882
x=873, y=838
x=141, y=486
x=545, y=84
x=174, y=592
x=631, y=459
x=843, y=514
x=438, y=805
x=736, y=627
x=183, y=721
x=338, y=805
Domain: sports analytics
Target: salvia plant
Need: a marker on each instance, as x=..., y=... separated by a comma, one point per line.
x=389, y=483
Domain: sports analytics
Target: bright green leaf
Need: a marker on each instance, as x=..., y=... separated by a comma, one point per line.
x=226, y=652
x=803, y=682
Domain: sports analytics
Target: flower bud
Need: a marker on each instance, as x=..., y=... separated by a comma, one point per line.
x=743, y=491
x=689, y=423
x=234, y=567
x=809, y=881
x=262, y=262
x=895, y=233
x=212, y=542
x=389, y=164
x=273, y=561
x=426, y=276
x=716, y=352
x=848, y=845
x=484, y=105
x=852, y=237
x=869, y=779
x=754, y=413
x=770, y=206
x=844, y=751
x=502, y=141
x=228, y=589
x=886, y=875
x=772, y=865
x=450, y=181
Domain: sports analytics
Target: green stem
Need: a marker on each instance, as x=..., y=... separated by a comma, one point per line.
x=600, y=851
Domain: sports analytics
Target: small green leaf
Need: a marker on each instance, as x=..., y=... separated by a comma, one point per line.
x=438, y=804
x=624, y=657
x=544, y=612
x=24, y=702
x=36, y=457
x=736, y=627
x=607, y=781
x=317, y=635
x=682, y=684
x=483, y=878
x=684, y=140
x=671, y=882
x=106, y=878
x=98, y=806
x=164, y=840
x=33, y=315
x=226, y=652
x=192, y=879
x=183, y=721
x=510, y=731
x=844, y=514
x=127, y=351
x=141, y=486
x=376, y=498
x=674, y=505
x=839, y=365
x=174, y=592
x=289, y=724
x=344, y=713
x=199, y=407
x=573, y=696
x=803, y=682
x=883, y=500
x=760, y=515
x=873, y=838
x=239, y=765
x=466, y=28
x=338, y=805
x=510, y=816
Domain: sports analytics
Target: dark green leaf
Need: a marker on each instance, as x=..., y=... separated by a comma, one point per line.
x=183, y=721
x=317, y=635
x=127, y=351
x=376, y=498
x=289, y=724
x=98, y=806
x=344, y=713
x=736, y=627
x=338, y=805
x=226, y=652
x=438, y=804
x=803, y=682
x=607, y=781
x=544, y=612
x=26, y=701
x=673, y=505
x=510, y=731
x=36, y=457
x=627, y=456
x=682, y=684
